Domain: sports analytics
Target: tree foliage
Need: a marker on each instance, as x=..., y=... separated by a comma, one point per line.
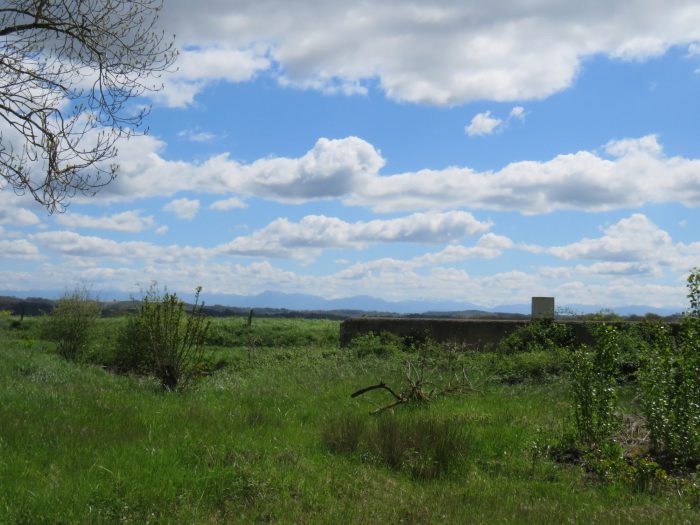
x=68, y=69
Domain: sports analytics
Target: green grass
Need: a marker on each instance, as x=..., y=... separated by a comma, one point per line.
x=262, y=440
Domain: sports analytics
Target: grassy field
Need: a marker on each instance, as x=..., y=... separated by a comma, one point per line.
x=273, y=436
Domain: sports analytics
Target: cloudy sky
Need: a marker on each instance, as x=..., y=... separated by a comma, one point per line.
x=463, y=150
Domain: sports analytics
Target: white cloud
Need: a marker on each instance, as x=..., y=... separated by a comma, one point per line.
x=161, y=230
x=518, y=112
x=128, y=221
x=442, y=53
x=18, y=249
x=69, y=257
x=580, y=181
x=199, y=67
x=635, y=238
x=331, y=169
x=228, y=204
x=305, y=239
x=196, y=135
x=634, y=245
x=87, y=249
x=12, y=211
x=183, y=208
x=483, y=124
x=624, y=175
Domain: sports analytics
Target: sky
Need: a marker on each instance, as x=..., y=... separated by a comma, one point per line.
x=484, y=152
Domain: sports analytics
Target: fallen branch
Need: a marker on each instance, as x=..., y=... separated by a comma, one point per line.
x=374, y=387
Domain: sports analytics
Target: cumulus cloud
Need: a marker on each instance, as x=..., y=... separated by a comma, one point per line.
x=305, y=239
x=332, y=168
x=486, y=124
x=518, y=112
x=199, y=67
x=12, y=211
x=128, y=221
x=18, y=249
x=183, y=208
x=626, y=177
x=483, y=124
x=228, y=204
x=632, y=239
x=632, y=246
x=90, y=248
x=442, y=53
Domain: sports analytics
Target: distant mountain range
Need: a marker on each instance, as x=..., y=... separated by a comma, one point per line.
x=364, y=303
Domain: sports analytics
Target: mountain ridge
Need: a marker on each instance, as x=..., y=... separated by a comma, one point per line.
x=299, y=302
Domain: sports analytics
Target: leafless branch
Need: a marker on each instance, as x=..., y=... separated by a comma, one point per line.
x=69, y=72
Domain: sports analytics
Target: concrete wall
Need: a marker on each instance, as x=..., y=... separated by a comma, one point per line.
x=472, y=333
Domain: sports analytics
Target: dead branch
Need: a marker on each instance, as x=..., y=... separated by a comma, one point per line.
x=374, y=387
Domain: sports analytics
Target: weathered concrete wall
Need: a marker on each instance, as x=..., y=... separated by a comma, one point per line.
x=475, y=333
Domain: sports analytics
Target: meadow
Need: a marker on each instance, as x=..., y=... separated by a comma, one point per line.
x=270, y=433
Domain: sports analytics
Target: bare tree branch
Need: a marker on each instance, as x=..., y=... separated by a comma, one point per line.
x=69, y=71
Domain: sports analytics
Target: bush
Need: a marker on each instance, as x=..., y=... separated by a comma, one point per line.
x=669, y=381
x=71, y=323
x=537, y=336
x=165, y=340
x=132, y=355
x=383, y=344
x=593, y=388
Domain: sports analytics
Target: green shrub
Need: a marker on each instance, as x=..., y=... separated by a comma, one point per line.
x=593, y=388
x=71, y=323
x=132, y=355
x=165, y=339
x=669, y=383
x=537, y=336
x=370, y=343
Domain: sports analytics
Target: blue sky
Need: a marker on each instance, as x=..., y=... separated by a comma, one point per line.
x=404, y=150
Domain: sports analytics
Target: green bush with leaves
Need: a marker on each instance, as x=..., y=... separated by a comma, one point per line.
x=166, y=340
x=132, y=354
x=669, y=382
x=593, y=388
x=382, y=344
x=71, y=323
x=537, y=336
